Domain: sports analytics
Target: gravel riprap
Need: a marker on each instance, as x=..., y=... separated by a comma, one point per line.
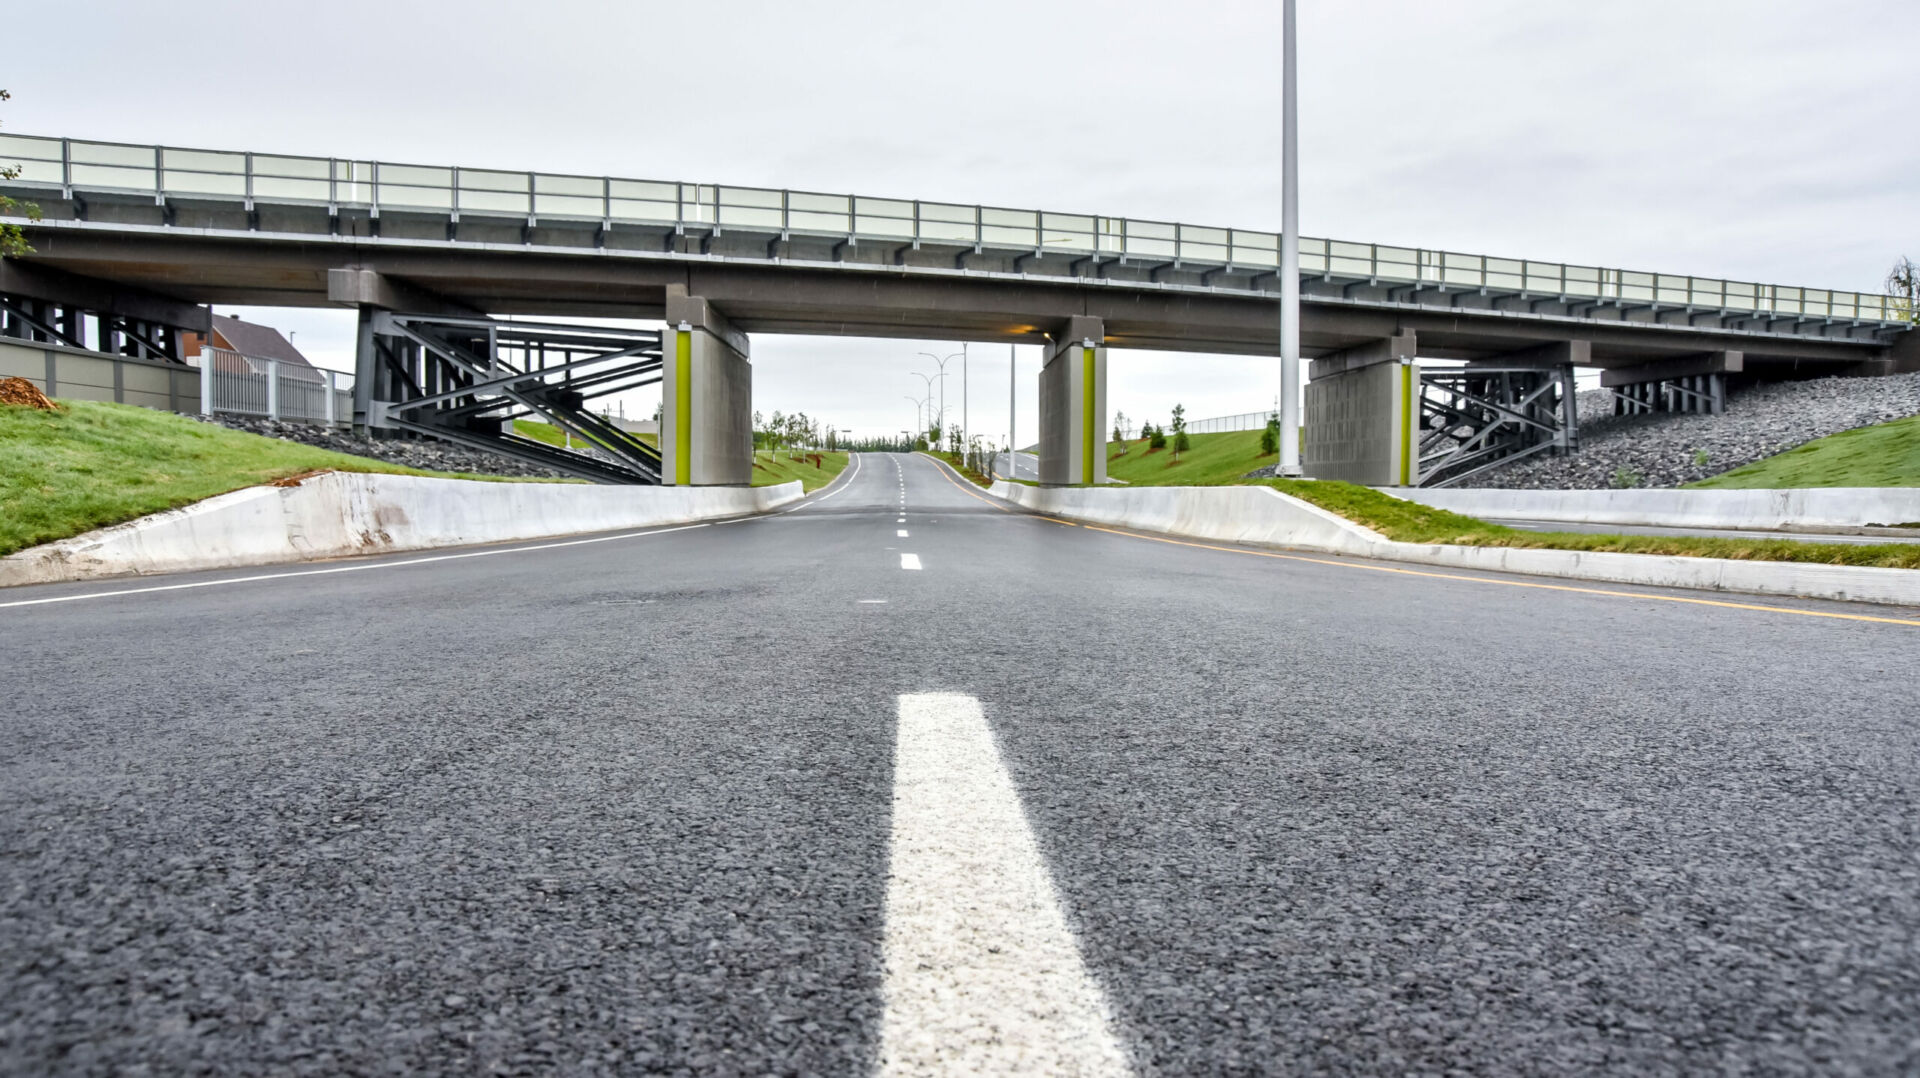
x=1672, y=450
x=428, y=454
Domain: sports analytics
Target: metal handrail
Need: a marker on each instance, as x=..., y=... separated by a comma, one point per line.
x=172, y=173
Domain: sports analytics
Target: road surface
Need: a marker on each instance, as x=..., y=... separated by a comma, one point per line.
x=901, y=781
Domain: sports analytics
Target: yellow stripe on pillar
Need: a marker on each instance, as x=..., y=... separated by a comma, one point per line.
x=1089, y=427
x=683, y=408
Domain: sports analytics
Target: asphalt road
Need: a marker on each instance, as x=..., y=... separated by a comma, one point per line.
x=1026, y=465
x=759, y=797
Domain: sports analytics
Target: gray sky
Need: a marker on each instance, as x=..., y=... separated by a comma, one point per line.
x=1756, y=140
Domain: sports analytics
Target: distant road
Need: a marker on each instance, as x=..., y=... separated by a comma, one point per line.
x=1711, y=533
x=1027, y=465
x=904, y=780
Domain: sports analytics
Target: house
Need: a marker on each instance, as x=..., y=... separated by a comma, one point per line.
x=241, y=347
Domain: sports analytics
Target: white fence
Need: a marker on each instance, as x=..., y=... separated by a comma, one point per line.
x=241, y=385
x=1243, y=421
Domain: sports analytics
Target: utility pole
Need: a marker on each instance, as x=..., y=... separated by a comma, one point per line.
x=1012, y=469
x=966, y=421
x=1289, y=250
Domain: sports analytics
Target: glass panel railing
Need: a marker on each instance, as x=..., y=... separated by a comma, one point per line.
x=218, y=185
x=110, y=176
x=304, y=168
x=113, y=153
x=506, y=203
x=838, y=224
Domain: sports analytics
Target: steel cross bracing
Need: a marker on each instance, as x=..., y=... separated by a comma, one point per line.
x=466, y=379
x=52, y=322
x=1475, y=419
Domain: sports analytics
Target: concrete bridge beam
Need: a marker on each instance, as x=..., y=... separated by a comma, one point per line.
x=1073, y=404
x=706, y=414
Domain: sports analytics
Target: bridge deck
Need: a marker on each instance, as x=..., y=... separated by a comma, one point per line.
x=235, y=227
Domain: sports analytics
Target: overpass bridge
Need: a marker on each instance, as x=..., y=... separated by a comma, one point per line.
x=136, y=237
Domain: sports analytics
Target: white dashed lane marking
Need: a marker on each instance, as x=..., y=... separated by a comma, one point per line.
x=900, y=533
x=909, y=561
x=982, y=974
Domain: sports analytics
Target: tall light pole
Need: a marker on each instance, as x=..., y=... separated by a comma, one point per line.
x=919, y=410
x=929, y=384
x=1012, y=399
x=942, y=362
x=1289, y=251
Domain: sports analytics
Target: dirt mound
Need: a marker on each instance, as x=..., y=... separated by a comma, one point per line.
x=25, y=394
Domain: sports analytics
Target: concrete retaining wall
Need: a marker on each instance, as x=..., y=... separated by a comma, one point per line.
x=340, y=513
x=1264, y=516
x=1810, y=509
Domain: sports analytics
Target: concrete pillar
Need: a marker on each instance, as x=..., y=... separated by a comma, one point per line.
x=1363, y=415
x=1073, y=404
x=706, y=414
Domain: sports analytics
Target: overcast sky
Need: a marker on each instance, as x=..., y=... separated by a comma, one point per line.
x=1757, y=139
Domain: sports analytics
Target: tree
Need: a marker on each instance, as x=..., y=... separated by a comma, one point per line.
x=1180, y=443
x=13, y=243
x=1270, y=435
x=1157, y=439
x=1903, y=284
x=1120, y=431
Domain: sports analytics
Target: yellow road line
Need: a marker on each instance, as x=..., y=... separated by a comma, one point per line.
x=943, y=468
x=1511, y=583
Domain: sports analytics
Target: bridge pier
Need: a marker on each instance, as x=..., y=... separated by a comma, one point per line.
x=1073, y=404
x=1362, y=414
x=706, y=402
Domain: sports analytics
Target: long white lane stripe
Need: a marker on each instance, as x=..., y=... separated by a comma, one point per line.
x=364, y=567
x=983, y=976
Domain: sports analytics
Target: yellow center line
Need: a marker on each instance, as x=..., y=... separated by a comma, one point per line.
x=1510, y=583
x=941, y=466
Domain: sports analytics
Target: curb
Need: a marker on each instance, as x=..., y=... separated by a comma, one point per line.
x=343, y=514
x=1242, y=515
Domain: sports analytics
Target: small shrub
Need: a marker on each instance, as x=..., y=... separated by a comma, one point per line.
x=1626, y=478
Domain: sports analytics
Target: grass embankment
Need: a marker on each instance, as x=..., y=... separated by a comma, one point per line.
x=1885, y=455
x=92, y=464
x=1213, y=459
x=554, y=436
x=1411, y=522
x=771, y=468
x=958, y=464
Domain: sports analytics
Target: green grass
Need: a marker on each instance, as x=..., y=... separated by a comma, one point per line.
x=92, y=464
x=770, y=468
x=1410, y=522
x=554, y=436
x=958, y=463
x=1213, y=459
x=1886, y=455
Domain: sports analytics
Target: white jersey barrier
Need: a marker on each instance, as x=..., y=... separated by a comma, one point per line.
x=1264, y=516
x=1804, y=509
x=337, y=514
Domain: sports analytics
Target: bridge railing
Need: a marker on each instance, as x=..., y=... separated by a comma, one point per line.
x=185, y=175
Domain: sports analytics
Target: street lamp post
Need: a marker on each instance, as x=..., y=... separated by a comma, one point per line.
x=942, y=362
x=1289, y=251
x=919, y=410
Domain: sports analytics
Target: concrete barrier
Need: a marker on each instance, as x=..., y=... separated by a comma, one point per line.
x=337, y=514
x=1807, y=509
x=1266, y=517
